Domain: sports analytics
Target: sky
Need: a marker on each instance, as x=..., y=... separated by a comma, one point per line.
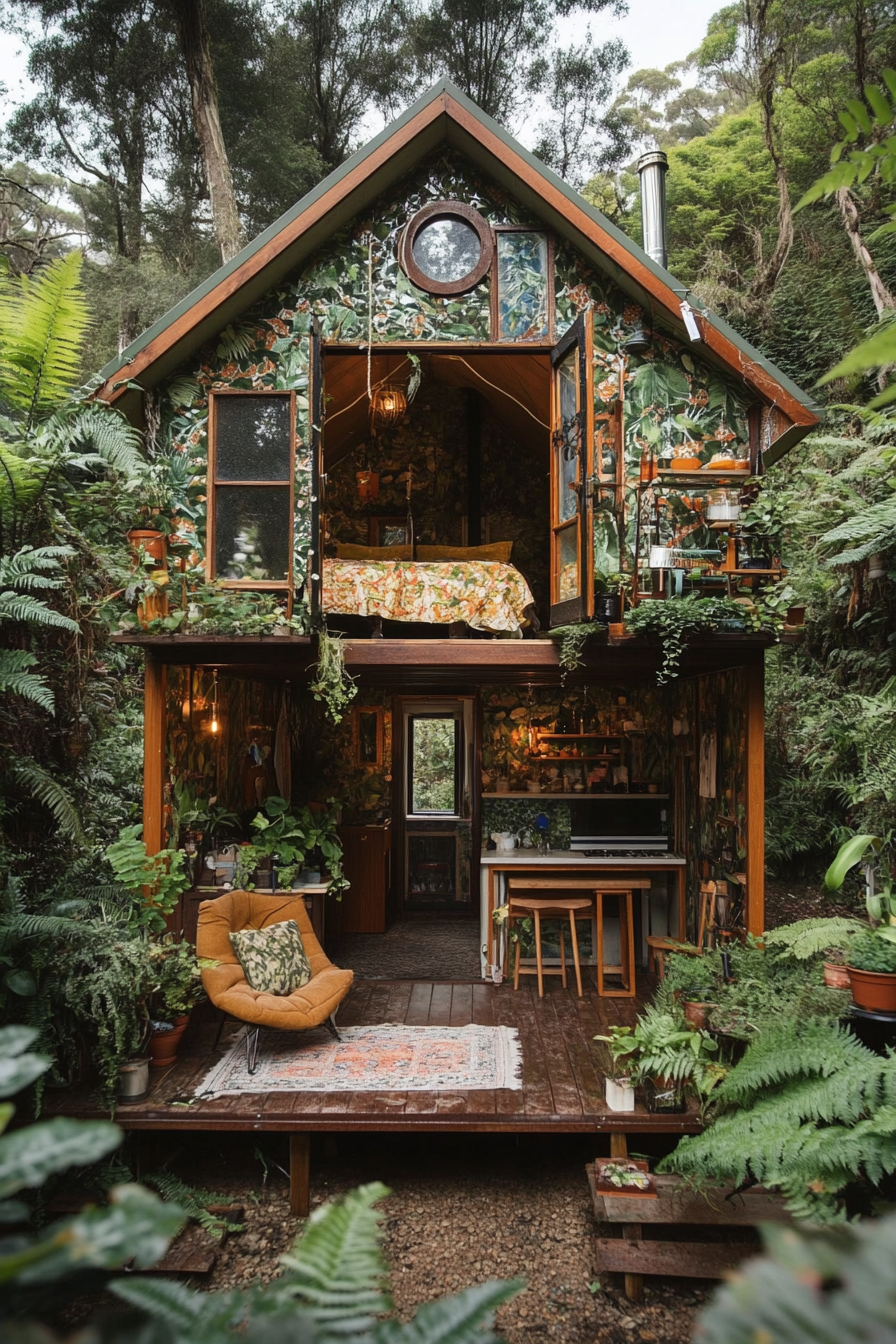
x=656, y=33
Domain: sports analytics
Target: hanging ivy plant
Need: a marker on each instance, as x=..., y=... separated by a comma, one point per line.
x=331, y=683
x=679, y=619
x=571, y=641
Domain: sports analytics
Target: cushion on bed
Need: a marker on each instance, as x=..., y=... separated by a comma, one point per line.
x=349, y=551
x=496, y=550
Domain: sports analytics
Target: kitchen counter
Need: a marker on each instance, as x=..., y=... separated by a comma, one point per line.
x=573, y=858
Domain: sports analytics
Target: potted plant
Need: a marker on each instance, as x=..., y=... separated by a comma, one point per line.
x=668, y=1057
x=177, y=990
x=617, y=1062
x=872, y=972
x=871, y=956
x=673, y=622
x=693, y=982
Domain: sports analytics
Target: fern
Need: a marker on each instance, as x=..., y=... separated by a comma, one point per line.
x=16, y=679
x=43, y=319
x=52, y=795
x=332, y=1289
x=194, y=1202
x=810, y=937
x=808, y=1110
x=337, y=1268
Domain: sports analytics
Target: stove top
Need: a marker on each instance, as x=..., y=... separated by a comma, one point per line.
x=616, y=853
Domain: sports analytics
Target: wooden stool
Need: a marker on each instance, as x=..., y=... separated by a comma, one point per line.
x=659, y=945
x=575, y=908
x=626, y=968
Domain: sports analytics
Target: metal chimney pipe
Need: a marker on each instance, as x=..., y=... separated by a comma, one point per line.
x=652, y=169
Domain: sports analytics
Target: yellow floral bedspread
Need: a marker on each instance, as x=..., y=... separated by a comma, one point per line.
x=485, y=594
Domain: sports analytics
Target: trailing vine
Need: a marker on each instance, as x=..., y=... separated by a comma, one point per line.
x=571, y=641
x=676, y=621
x=332, y=684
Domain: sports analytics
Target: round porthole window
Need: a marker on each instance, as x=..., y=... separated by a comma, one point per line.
x=446, y=248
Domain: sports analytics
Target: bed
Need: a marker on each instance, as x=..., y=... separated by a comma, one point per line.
x=487, y=594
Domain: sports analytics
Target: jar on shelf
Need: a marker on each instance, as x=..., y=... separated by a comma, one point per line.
x=723, y=506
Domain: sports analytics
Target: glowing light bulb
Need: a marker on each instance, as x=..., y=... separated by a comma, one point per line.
x=214, y=725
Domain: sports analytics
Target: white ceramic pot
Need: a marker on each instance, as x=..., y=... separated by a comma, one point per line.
x=133, y=1080
x=505, y=841
x=620, y=1095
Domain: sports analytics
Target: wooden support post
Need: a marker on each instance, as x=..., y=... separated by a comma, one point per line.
x=154, y=686
x=755, y=912
x=634, y=1283
x=300, y=1175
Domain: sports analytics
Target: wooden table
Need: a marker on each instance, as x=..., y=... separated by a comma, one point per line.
x=597, y=870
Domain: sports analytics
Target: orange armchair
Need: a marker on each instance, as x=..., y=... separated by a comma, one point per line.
x=313, y=1005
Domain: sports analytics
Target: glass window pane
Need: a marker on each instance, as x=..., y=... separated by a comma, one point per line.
x=447, y=249
x=252, y=438
x=434, y=765
x=253, y=532
x=568, y=563
x=522, y=285
x=568, y=453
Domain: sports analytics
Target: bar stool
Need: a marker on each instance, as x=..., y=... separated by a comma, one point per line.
x=575, y=908
x=626, y=968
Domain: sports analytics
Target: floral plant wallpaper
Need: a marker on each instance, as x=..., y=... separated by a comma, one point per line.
x=669, y=397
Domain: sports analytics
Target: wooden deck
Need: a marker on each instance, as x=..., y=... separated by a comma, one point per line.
x=562, y=1087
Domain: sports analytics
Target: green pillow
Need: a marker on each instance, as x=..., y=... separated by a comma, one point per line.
x=273, y=959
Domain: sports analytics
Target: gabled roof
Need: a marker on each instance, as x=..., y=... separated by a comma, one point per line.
x=444, y=115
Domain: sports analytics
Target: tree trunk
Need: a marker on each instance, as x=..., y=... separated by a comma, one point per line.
x=882, y=297
x=193, y=34
x=767, y=276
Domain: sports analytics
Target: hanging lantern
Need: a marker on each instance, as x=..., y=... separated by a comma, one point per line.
x=388, y=404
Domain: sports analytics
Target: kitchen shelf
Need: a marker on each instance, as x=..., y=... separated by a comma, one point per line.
x=577, y=737
x=666, y=474
x=604, y=756
x=527, y=793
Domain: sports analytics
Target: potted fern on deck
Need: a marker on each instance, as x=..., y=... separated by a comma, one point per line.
x=871, y=957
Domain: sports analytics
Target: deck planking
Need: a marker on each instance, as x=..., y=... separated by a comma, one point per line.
x=562, y=1084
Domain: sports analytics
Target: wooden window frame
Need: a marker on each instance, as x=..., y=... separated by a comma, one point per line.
x=212, y=485
x=494, y=315
x=446, y=210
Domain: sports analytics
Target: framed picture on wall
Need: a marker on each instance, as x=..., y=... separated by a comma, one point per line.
x=368, y=736
x=388, y=531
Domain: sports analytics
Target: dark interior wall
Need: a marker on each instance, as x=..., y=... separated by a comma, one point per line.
x=431, y=442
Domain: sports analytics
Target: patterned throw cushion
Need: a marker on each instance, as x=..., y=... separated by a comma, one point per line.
x=273, y=959
x=346, y=550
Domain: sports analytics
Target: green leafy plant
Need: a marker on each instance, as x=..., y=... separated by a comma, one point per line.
x=571, y=641
x=293, y=836
x=135, y=1225
x=178, y=978
x=807, y=1110
x=22, y=576
x=330, y=682
x=868, y=952
x=662, y=1045
x=152, y=882
x=811, y=937
x=676, y=621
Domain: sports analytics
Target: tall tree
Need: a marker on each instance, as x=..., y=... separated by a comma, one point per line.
x=192, y=29
x=494, y=50
x=580, y=137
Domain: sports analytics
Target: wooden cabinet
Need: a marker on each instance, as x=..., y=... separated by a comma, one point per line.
x=368, y=853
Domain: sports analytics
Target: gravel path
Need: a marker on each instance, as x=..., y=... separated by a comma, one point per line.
x=461, y=1211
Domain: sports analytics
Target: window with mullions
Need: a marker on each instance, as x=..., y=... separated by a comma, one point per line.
x=251, y=468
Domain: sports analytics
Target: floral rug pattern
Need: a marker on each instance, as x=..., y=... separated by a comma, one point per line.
x=484, y=593
x=373, y=1059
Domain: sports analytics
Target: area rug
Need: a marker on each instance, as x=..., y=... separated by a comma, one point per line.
x=373, y=1059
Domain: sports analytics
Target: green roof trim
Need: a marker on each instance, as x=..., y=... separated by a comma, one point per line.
x=120, y=364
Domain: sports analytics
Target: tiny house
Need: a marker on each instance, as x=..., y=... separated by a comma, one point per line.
x=444, y=408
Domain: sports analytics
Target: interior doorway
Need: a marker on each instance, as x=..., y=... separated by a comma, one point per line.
x=436, y=803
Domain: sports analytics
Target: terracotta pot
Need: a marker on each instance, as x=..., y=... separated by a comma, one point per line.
x=149, y=540
x=795, y=616
x=696, y=1014
x=836, y=976
x=874, y=991
x=616, y=630
x=163, y=1044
